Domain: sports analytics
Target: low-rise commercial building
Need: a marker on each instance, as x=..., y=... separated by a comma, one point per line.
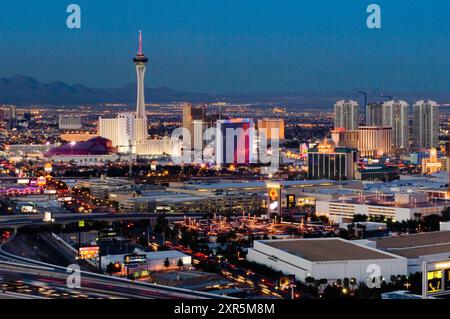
x=326, y=161
x=388, y=206
x=416, y=248
x=325, y=258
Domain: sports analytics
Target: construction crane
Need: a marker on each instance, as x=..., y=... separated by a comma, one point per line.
x=130, y=157
x=365, y=94
x=389, y=97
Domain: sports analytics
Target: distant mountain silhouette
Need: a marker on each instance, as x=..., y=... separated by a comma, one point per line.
x=26, y=90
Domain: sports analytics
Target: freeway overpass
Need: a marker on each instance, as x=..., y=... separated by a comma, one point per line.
x=17, y=221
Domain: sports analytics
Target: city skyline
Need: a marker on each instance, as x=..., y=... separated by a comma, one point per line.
x=145, y=192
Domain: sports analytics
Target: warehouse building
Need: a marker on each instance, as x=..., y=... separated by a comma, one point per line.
x=326, y=258
x=430, y=247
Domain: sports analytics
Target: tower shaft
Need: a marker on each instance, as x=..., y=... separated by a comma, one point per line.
x=140, y=105
x=140, y=60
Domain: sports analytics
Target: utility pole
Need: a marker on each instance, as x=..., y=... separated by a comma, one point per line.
x=148, y=233
x=164, y=228
x=130, y=160
x=424, y=280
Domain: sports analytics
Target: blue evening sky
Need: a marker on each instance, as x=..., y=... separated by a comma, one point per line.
x=231, y=45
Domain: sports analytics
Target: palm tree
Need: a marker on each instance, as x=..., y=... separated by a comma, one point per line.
x=346, y=282
x=167, y=263
x=310, y=280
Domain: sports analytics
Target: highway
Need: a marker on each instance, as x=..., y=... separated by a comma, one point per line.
x=17, y=221
x=93, y=285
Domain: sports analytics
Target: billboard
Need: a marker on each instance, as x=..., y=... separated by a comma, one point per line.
x=435, y=278
x=290, y=201
x=434, y=281
x=90, y=252
x=135, y=259
x=106, y=235
x=274, y=198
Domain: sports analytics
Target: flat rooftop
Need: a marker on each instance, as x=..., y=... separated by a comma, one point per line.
x=414, y=240
x=422, y=251
x=372, y=201
x=253, y=185
x=335, y=249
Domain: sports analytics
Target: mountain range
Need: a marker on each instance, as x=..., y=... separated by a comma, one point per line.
x=24, y=90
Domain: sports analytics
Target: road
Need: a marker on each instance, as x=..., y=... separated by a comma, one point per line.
x=243, y=276
x=16, y=221
x=55, y=277
x=92, y=285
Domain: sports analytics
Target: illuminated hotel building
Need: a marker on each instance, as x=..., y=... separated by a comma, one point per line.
x=395, y=115
x=434, y=163
x=426, y=124
x=120, y=131
x=326, y=161
x=374, y=114
x=194, y=120
x=235, y=142
x=346, y=115
x=269, y=124
x=344, y=138
x=374, y=141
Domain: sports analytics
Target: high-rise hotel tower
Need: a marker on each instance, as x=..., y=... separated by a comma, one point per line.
x=426, y=124
x=346, y=115
x=395, y=115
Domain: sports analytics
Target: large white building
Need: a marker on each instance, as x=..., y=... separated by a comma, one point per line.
x=426, y=125
x=346, y=114
x=121, y=131
x=395, y=115
x=326, y=258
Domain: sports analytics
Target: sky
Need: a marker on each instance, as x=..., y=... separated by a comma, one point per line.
x=222, y=46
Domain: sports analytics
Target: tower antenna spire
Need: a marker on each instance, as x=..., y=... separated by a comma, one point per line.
x=140, y=42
